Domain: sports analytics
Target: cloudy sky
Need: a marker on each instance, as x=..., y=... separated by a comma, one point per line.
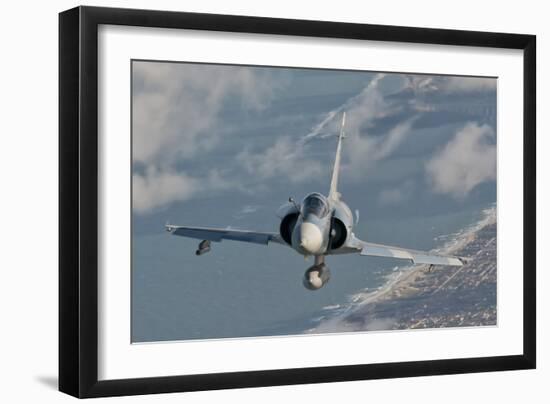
x=218, y=145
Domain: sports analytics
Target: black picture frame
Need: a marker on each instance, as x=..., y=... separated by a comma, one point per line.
x=78, y=200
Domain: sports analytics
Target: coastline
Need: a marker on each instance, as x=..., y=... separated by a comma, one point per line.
x=414, y=297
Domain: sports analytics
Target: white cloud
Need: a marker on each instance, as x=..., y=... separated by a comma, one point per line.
x=361, y=150
x=176, y=117
x=360, y=109
x=450, y=84
x=284, y=158
x=176, y=105
x=176, y=109
x=288, y=158
x=155, y=189
x=468, y=160
x=371, y=104
x=386, y=145
x=470, y=84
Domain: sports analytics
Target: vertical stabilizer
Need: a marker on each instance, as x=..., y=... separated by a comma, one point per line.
x=333, y=193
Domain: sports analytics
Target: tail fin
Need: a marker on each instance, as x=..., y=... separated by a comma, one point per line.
x=333, y=193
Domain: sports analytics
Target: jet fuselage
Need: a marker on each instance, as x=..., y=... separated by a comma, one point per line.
x=322, y=225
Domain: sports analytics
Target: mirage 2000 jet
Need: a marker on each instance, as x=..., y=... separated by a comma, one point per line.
x=319, y=226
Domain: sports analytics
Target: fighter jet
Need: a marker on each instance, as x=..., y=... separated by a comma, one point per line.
x=319, y=226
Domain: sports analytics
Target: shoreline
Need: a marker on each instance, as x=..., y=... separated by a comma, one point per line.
x=413, y=282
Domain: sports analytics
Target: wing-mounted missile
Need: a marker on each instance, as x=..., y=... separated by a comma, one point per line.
x=204, y=247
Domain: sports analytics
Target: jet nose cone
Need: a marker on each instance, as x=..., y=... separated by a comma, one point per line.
x=311, y=238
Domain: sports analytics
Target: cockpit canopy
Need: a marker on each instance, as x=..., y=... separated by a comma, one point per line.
x=316, y=204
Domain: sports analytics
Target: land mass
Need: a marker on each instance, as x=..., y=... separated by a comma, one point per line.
x=420, y=297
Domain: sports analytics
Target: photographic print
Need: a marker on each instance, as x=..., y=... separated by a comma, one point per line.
x=274, y=201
